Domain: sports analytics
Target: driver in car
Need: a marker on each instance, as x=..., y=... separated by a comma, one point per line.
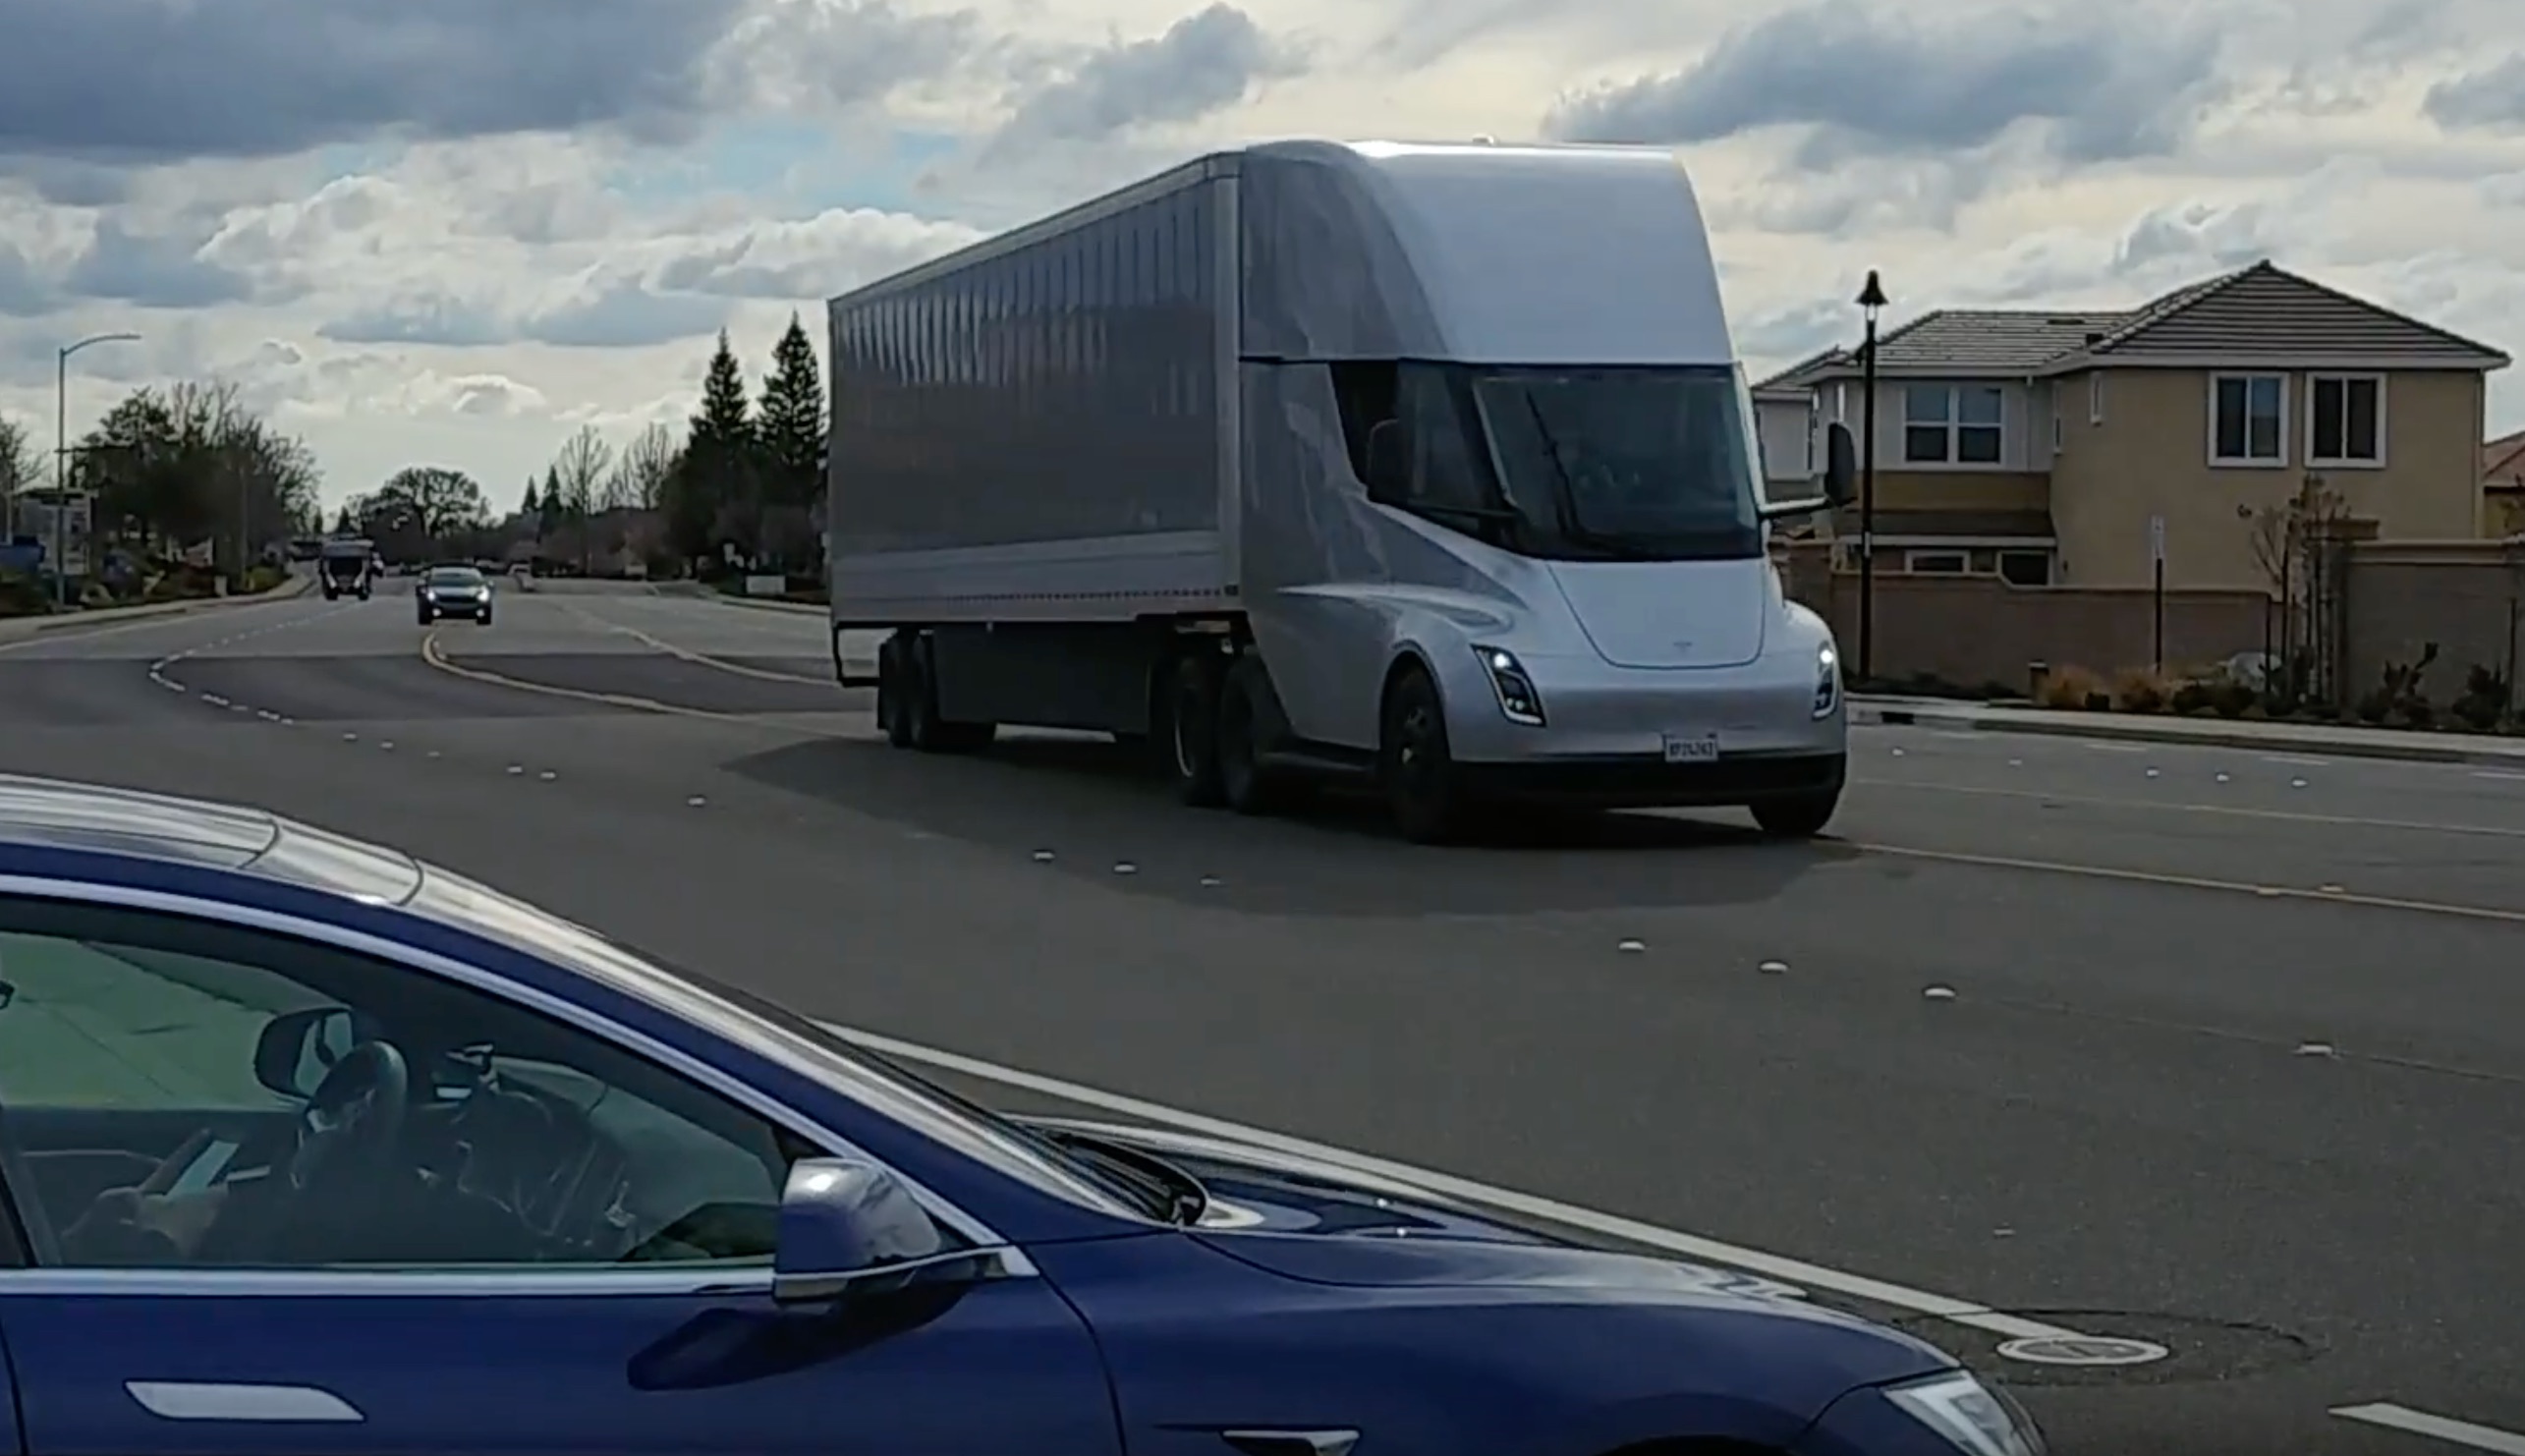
x=128, y=1226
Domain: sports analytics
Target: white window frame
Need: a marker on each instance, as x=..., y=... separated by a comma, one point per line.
x=2095, y=398
x=1911, y=562
x=1954, y=425
x=2345, y=461
x=2050, y=571
x=2279, y=437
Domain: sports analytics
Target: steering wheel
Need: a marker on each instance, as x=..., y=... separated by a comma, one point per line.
x=351, y=1126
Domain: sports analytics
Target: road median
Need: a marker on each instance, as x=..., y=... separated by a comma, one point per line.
x=2340, y=740
x=15, y=629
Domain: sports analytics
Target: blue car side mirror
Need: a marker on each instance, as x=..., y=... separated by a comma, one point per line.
x=845, y=1225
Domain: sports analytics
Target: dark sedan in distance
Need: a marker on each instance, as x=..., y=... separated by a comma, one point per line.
x=454, y=591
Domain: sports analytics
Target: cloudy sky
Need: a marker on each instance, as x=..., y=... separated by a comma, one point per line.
x=452, y=231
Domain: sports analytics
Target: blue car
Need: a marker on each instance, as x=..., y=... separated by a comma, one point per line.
x=308, y=1147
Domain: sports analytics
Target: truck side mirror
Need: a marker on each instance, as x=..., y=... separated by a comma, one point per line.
x=1840, y=465
x=1390, y=469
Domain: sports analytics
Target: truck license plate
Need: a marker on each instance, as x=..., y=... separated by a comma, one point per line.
x=1691, y=748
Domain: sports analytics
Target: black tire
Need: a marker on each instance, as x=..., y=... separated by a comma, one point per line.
x=485, y=619
x=929, y=733
x=425, y=619
x=920, y=711
x=1797, y=816
x=364, y=594
x=1423, y=787
x=1244, y=732
x=891, y=699
x=1192, y=717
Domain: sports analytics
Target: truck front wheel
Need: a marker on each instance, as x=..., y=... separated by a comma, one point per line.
x=1422, y=785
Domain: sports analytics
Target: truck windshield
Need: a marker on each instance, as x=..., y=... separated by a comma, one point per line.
x=1650, y=464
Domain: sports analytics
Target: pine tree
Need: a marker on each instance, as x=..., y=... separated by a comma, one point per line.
x=791, y=422
x=725, y=421
x=717, y=484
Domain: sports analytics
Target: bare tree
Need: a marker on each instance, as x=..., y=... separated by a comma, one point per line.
x=647, y=464
x=580, y=467
x=580, y=470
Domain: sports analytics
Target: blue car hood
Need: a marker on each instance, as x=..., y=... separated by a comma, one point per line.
x=1333, y=1223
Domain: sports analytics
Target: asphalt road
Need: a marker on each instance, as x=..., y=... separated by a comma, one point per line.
x=2232, y=1060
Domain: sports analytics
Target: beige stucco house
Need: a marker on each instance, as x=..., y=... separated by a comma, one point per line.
x=2059, y=447
x=2503, y=487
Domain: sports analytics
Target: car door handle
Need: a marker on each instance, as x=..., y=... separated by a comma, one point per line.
x=208, y=1400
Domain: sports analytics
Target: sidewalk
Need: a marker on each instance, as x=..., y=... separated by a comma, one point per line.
x=17, y=629
x=2226, y=733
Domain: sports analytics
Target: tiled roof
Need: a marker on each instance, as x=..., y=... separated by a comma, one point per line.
x=2011, y=341
x=2503, y=462
x=2260, y=311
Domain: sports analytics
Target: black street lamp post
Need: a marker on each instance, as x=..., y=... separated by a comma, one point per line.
x=1872, y=300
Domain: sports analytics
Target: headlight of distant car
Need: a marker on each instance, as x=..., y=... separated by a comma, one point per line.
x=1827, y=680
x=1976, y=1419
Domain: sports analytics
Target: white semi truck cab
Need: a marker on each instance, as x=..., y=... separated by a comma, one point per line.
x=1431, y=469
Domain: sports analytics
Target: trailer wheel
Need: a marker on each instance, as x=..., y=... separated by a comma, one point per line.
x=1192, y=717
x=892, y=699
x=1422, y=785
x=928, y=732
x=1249, y=723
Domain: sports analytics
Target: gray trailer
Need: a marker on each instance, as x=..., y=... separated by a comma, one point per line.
x=1431, y=468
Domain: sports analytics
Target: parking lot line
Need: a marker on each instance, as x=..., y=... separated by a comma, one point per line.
x=1954, y=1310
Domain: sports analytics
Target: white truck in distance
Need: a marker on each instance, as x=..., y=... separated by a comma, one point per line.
x=1431, y=468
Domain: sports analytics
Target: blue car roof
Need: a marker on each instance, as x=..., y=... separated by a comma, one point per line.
x=51, y=814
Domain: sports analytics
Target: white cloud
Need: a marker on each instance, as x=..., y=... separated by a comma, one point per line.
x=465, y=272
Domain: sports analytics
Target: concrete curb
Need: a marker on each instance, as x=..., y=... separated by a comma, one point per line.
x=2423, y=749
x=13, y=629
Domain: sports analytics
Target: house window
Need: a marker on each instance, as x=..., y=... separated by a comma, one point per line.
x=1951, y=425
x=2026, y=568
x=2345, y=419
x=2095, y=398
x=1936, y=563
x=2248, y=420
x=2055, y=425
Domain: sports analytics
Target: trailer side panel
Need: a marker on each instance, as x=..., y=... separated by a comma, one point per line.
x=1037, y=432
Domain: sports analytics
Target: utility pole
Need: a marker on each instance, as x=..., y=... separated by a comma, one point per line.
x=61, y=455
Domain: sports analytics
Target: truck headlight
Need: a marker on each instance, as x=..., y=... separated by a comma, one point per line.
x=1827, y=680
x=1976, y=1419
x=1518, y=699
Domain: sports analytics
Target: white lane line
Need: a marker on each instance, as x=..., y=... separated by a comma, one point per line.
x=1612, y=1225
x=2294, y=759
x=2498, y=773
x=2106, y=745
x=2438, y=1427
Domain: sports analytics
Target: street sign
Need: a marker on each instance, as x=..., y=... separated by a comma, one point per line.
x=2156, y=539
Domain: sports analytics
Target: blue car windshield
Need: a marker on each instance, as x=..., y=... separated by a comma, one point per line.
x=1653, y=463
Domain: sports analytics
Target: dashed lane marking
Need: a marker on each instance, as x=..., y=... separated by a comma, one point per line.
x=2437, y=1428
x=2226, y=809
x=429, y=653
